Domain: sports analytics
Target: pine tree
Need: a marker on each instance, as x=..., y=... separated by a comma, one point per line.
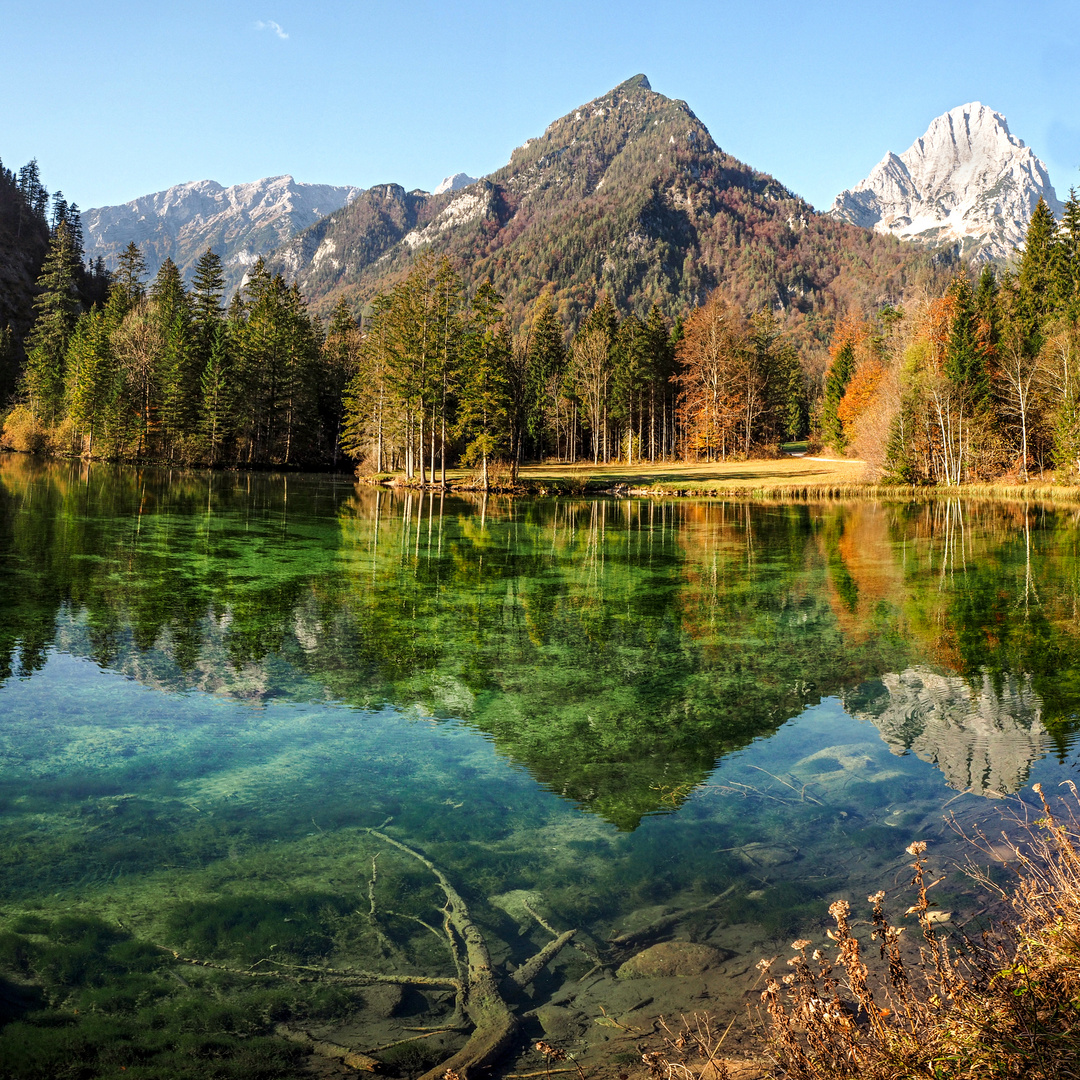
x=178, y=370
x=660, y=345
x=215, y=399
x=1036, y=276
x=1067, y=283
x=128, y=283
x=965, y=359
x=547, y=362
x=341, y=361
x=367, y=403
x=483, y=413
x=986, y=304
x=207, y=309
x=630, y=369
x=837, y=378
x=57, y=307
x=91, y=377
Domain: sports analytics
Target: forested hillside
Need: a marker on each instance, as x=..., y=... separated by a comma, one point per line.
x=627, y=195
x=28, y=216
x=971, y=382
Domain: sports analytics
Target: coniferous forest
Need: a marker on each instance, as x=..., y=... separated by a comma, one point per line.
x=970, y=377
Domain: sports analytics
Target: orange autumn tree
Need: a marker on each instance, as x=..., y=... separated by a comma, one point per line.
x=712, y=356
x=845, y=351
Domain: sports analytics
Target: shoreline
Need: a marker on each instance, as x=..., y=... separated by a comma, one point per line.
x=575, y=487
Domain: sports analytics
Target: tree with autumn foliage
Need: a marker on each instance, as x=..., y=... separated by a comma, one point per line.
x=711, y=357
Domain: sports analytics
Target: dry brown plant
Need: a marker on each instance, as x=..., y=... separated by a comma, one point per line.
x=1003, y=1005
x=1006, y=1005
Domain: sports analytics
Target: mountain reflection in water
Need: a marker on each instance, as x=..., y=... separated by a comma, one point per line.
x=983, y=737
x=239, y=711
x=617, y=650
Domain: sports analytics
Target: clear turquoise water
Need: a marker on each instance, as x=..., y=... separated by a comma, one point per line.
x=213, y=686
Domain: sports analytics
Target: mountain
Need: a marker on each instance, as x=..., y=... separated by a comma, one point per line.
x=968, y=181
x=455, y=182
x=628, y=193
x=240, y=222
x=984, y=737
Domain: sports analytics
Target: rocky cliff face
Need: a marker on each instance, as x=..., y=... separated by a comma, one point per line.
x=983, y=738
x=240, y=223
x=968, y=182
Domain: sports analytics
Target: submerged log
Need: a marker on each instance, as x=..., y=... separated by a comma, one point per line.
x=478, y=999
x=660, y=926
x=494, y=1024
x=324, y=1048
x=532, y=967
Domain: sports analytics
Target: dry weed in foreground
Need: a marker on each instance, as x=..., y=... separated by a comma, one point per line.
x=1005, y=1006
x=692, y=1053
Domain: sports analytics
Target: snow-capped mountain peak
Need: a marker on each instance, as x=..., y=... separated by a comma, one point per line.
x=967, y=181
x=452, y=183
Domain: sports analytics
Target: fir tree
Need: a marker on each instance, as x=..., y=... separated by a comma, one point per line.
x=1036, y=276
x=547, y=362
x=91, y=376
x=483, y=412
x=1067, y=283
x=177, y=366
x=129, y=282
x=965, y=361
x=987, y=306
x=57, y=307
x=207, y=293
x=215, y=397
x=836, y=382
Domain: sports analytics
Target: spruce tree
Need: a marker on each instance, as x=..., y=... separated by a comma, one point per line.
x=661, y=350
x=484, y=409
x=1067, y=283
x=341, y=361
x=129, y=281
x=836, y=382
x=207, y=293
x=965, y=361
x=547, y=361
x=988, y=308
x=214, y=404
x=177, y=375
x=57, y=307
x=1036, y=276
x=91, y=377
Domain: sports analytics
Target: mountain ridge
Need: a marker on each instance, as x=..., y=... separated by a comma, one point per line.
x=240, y=222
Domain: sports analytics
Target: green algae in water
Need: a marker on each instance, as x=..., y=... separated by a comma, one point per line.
x=619, y=711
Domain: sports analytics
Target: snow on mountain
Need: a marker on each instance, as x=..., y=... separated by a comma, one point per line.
x=967, y=181
x=239, y=223
x=452, y=183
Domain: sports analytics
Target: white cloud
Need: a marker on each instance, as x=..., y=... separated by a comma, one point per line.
x=274, y=27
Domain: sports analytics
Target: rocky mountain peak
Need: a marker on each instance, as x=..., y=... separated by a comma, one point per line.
x=454, y=183
x=967, y=181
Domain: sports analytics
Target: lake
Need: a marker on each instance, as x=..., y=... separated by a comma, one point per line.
x=263, y=722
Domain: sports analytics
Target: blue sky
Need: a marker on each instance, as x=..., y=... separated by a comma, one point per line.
x=119, y=99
